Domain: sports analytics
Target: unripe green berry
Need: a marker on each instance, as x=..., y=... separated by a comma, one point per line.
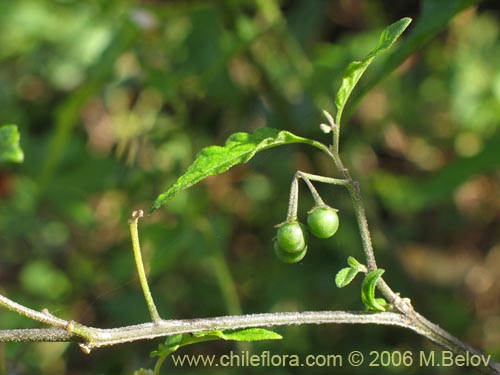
x=292, y=237
x=323, y=221
x=287, y=257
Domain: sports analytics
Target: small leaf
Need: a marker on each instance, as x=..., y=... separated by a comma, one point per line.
x=356, y=69
x=368, y=290
x=356, y=265
x=171, y=344
x=216, y=333
x=251, y=334
x=239, y=148
x=390, y=34
x=433, y=18
x=10, y=150
x=382, y=302
x=247, y=334
x=345, y=276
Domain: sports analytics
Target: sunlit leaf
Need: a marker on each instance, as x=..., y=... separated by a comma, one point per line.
x=368, y=290
x=172, y=343
x=246, y=334
x=251, y=334
x=356, y=265
x=356, y=69
x=10, y=150
x=434, y=18
x=345, y=276
x=239, y=148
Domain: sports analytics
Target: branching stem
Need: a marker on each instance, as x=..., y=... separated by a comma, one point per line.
x=94, y=338
x=40, y=316
x=405, y=316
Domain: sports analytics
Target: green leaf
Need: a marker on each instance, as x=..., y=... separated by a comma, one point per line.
x=356, y=265
x=247, y=334
x=382, y=302
x=251, y=334
x=434, y=18
x=356, y=69
x=239, y=148
x=172, y=343
x=345, y=276
x=368, y=290
x=10, y=150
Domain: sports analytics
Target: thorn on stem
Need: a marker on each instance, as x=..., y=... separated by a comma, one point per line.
x=85, y=348
x=70, y=327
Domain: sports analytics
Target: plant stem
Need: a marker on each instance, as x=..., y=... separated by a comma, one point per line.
x=97, y=338
x=291, y=214
x=43, y=317
x=158, y=364
x=326, y=180
x=140, y=266
x=318, y=201
x=354, y=191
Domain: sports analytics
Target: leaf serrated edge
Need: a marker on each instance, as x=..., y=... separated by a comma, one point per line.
x=281, y=137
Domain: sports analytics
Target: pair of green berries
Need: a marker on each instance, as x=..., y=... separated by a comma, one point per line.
x=290, y=244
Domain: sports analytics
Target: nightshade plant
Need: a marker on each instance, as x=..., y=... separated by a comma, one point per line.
x=290, y=246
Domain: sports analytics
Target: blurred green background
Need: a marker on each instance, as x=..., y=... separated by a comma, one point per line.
x=113, y=100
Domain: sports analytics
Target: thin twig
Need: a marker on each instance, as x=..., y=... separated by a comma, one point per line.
x=43, y=316
x=97, y=337
x=140, y=266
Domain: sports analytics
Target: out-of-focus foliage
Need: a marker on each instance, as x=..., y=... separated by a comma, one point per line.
x=114, y=98
x=10, y=151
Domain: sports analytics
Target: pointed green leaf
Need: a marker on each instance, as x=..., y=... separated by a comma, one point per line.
x=215, y=333
x=10, y=150
x=247, y=334
x=171, y=344
x=251, y=334
x=239, y=148
x=433, y=18
x=368, y=290
x=356, y=265
x=382, y=302
x=345, y=276
x=356, y=69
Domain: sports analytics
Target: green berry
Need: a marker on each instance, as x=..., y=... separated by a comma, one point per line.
x=323, y=222
x=287, y=257
x=292, y=237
